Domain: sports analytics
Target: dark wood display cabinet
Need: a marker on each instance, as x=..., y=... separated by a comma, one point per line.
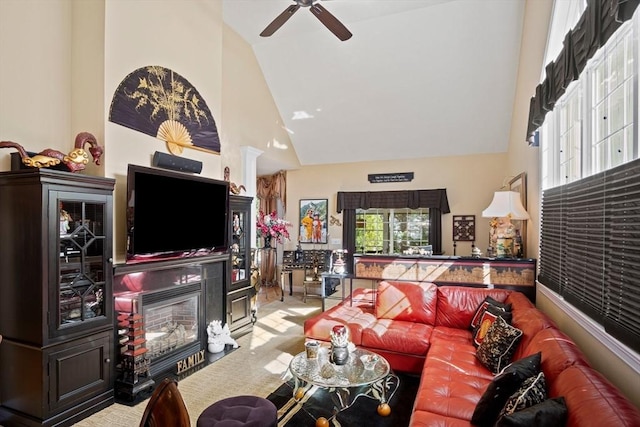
x=56, y=305
x=240, y=314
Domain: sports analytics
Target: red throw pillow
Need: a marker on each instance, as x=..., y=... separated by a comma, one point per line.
x=488, y=317
x=487, y=302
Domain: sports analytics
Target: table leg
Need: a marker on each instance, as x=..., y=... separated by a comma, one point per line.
x=290, y=282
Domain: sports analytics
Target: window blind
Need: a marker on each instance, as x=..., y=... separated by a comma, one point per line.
x=590, y=248
x=622, y=260
x=551, y=239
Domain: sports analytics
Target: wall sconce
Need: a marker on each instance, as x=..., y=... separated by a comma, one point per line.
x=504, y=207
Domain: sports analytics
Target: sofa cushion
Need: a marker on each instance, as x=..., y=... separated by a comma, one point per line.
x=484, y=305
x=356, y=318
x=489, y=315
x=452, y=380
x=398, y=336
x=420, y=418
x=455, y=356
x=519, y=301
x=592, y=400
x=558, y=351
x=550, y=413
x=451, y=334
x=502, y=387
x=530, y=321
x=458, y=304
x=408, y=301
x=449, y=393
x=498, y=345
x=532, y=391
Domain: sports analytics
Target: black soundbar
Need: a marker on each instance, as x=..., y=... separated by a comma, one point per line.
x=169, y=161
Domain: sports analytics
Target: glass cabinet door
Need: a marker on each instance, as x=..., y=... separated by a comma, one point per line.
x=83, y=260
x=239, y=245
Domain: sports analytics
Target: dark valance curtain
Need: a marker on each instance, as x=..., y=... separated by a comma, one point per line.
x=412, y=199
x=435, y=200
x=597, y=24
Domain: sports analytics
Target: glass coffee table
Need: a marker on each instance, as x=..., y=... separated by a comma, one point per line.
x=344, y=382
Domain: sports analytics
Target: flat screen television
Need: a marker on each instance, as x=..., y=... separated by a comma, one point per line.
x=174, y=214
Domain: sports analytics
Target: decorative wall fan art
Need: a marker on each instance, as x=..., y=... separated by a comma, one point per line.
x=159, y=102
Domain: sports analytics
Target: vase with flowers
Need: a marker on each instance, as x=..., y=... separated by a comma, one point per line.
x=270, y=227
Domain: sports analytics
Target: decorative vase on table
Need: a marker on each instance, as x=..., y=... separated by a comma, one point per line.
x=267, y=242
x=339, y=345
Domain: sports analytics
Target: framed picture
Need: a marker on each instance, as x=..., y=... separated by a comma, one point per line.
x=519, y=184
x=313, y=220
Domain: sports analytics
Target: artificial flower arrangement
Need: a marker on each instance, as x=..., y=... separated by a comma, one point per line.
x=269, y=225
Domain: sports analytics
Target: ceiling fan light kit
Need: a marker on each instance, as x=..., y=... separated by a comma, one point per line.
x=323, y=15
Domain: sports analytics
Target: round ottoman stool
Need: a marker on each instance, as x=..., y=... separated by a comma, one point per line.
x=248, y=411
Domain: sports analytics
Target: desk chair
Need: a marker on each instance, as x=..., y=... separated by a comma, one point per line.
x=166, y=407
x=312, y=279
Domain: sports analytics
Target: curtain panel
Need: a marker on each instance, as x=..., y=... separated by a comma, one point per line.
x=597, y=24
x=270, y=189
x=435, y=200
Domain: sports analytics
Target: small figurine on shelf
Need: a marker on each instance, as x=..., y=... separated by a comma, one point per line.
x=299, y=255
x=65, y=219
x=338, y=265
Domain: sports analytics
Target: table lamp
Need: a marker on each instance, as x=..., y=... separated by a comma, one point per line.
x=505, y=206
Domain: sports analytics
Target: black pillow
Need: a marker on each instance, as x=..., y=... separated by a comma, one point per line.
x=502, y=387
x=488, y=301
x=499, y=345
x=488, y=317
x=532, y=391
x=550, y=413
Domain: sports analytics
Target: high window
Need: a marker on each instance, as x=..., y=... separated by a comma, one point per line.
x=590, y=173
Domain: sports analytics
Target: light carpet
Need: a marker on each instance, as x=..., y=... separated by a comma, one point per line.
x=256, y=368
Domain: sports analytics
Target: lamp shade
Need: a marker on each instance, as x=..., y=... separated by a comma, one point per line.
x=506, y=203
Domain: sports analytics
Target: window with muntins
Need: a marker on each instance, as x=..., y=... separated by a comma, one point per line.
x=389, y=231
x=590, y=176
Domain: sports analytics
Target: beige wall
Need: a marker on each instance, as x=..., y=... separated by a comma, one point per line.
x=469, y=181
x=35, y=75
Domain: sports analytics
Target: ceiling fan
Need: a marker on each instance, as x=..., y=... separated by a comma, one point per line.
x=329, y=21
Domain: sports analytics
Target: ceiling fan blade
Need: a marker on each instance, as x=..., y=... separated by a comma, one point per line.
x=280, y=20
x=331, y=22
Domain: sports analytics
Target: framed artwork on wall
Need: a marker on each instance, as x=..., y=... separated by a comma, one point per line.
x=313, y=220
x=519, y=184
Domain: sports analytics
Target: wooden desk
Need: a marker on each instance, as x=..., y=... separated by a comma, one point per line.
x=290, y=264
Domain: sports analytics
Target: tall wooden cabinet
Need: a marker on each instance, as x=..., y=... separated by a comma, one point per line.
x=240, y=292
x=56, y=305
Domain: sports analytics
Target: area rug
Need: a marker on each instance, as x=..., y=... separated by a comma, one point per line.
x=319, y=402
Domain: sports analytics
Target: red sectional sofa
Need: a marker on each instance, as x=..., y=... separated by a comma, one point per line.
x=423, y=329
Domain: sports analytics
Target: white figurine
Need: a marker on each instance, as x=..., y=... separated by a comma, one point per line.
x=219, y=336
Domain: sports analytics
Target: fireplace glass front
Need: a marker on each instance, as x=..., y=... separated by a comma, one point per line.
x=171, y=324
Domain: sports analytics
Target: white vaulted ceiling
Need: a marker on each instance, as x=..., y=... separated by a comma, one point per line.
x=419, y=78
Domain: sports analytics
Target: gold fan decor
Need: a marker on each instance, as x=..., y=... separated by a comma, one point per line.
x=176, y=136
x=161, y=103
